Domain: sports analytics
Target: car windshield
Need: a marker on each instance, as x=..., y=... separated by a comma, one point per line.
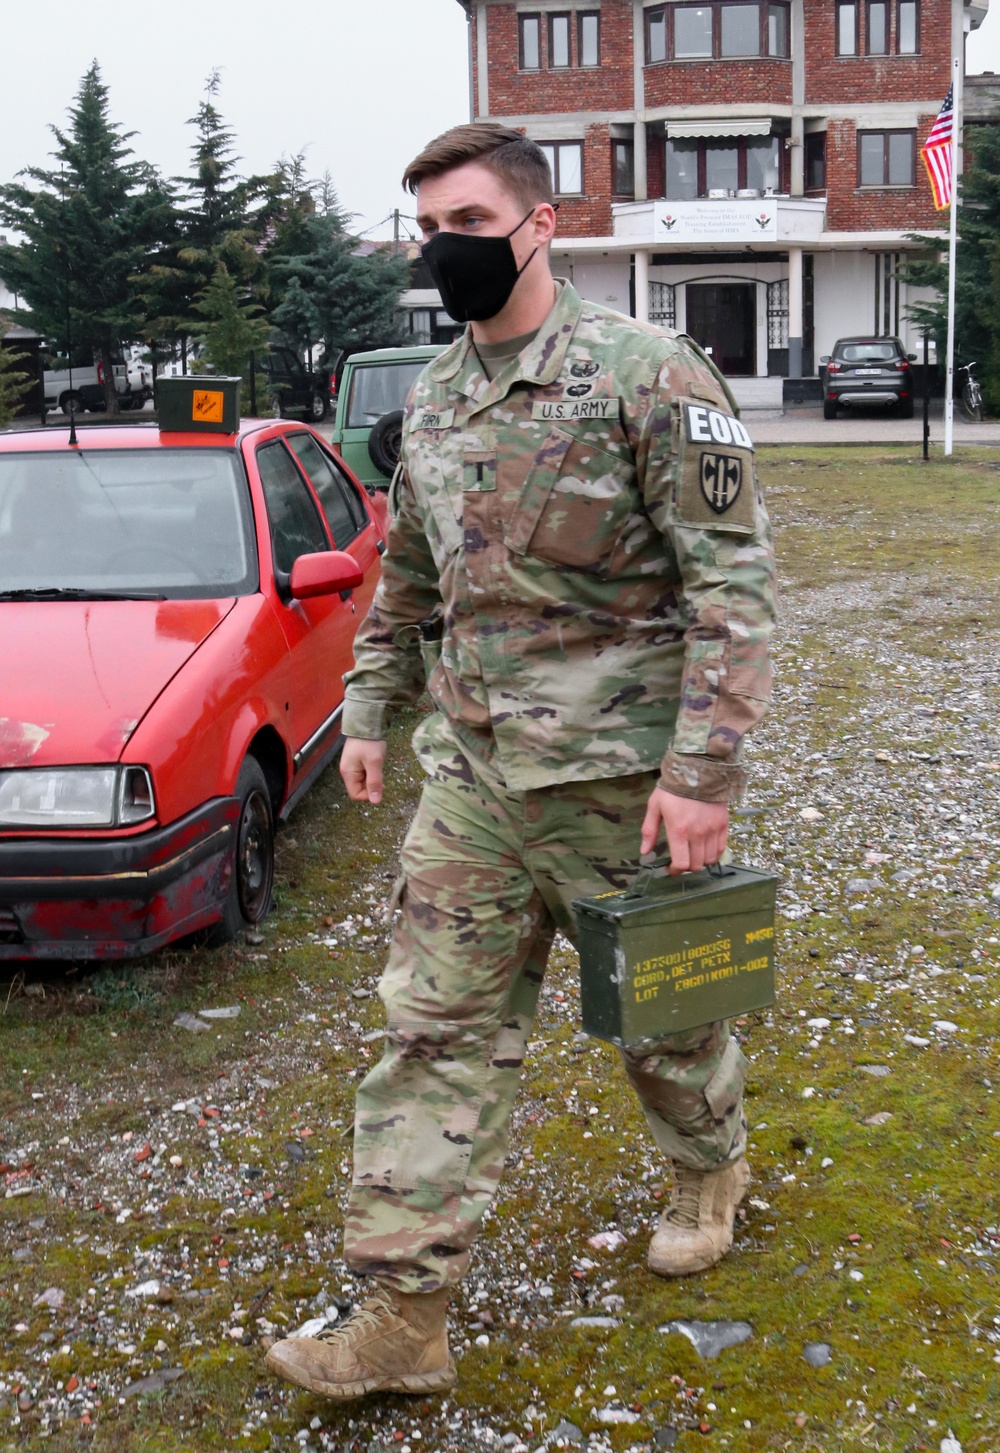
x=171, y=523
x=878, y=351
x=380, y=389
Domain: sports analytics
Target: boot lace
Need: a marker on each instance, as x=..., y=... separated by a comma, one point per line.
x=686, y=1207
x=359, y=1322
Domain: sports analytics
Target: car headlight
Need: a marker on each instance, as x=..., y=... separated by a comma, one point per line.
x=75, y=797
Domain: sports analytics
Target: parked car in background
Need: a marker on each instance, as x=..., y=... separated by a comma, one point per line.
x=867, y=371
x=297, y=390
x=368, y=423
x=176, y=613
x=75, y=382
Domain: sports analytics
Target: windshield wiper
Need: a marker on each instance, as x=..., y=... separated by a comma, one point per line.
x=63, y=592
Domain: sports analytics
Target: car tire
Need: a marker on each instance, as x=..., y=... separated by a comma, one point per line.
x=384, y=442
x=905, y=408
x=318, y=408
x=249, y=896
x=70, y=402
x=829, y=409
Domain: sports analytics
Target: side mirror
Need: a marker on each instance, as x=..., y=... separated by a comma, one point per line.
x=324, y=573
x=825, y=358
x=912, y=357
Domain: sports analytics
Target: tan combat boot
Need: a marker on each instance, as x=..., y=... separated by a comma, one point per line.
x=391, y=1343
x=696, y=1229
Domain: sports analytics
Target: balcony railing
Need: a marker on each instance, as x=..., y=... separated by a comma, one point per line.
x=722, y=221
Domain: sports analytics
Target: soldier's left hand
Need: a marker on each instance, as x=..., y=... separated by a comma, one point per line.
x=696, y=831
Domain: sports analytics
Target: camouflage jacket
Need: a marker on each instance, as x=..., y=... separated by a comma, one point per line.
x=579, y=561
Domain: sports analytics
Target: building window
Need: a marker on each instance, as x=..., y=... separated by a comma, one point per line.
x=623, y=169
x=885, y=158
x=656, y=36
x=530, y=42
x=777, y=30
x=725, y=30
x=588, y=38
x=815, y=161
x=695, y=168
x=878, y=27
x=908, y=28
x=559, y=57
x=847, y=28
x=662, y=305
x=565, y=159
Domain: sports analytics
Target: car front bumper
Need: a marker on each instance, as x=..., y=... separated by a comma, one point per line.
x=112, y=898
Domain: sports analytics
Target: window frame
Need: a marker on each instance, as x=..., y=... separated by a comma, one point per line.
x=553, y=16
x=326, y=535
x=806, y=147
x=916, y=27
x=522, y=20
x=885, y=184
x=556, y=168
x=886, y=49
x=355, y=508
x=665, y=15
x=629, y=148
x=581, y=16
x=740, y=143
x=840, y=6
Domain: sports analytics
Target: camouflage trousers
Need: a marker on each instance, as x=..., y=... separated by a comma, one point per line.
x=489, y=876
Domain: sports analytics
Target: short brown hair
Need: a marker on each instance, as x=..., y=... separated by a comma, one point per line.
x=518, y=162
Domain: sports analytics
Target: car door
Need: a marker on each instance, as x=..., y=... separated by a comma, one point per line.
x=318, y=632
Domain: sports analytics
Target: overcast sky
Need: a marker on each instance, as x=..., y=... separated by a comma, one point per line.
x=360, y=85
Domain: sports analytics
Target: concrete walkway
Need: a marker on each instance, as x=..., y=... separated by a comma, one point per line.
x=805, y=425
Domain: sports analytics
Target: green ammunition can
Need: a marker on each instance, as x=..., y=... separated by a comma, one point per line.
x=673, y=953
x=198, y=404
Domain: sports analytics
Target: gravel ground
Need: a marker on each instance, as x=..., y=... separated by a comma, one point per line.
x=173, y=1190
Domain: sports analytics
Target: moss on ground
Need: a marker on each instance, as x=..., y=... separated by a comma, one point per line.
x=903, y=1201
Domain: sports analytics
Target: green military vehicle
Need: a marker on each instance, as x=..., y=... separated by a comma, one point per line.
x=368, y=424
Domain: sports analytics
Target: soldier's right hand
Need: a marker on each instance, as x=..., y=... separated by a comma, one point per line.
x=361, y=768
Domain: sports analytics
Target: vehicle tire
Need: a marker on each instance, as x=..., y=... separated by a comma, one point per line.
x=384, y=442
x=249, y=897
x=829, y=409
x=71, y=402
x=905, y=407
x=318, y=408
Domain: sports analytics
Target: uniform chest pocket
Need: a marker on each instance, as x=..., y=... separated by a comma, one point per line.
x=574, y=504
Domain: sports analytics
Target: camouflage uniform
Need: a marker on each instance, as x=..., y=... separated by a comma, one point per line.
x=580, y=569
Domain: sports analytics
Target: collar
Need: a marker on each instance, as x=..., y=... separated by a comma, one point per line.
x=541, y=362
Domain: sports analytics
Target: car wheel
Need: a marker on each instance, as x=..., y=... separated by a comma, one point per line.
x=249, y=897
x=905, y=407
x=829, y=409
x=71, y=403
x=317, y=408
x=384, y=442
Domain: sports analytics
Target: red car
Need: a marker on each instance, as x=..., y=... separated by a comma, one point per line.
x=176, y=613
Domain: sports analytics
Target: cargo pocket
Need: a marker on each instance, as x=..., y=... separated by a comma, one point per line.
x=574, y=504
x=724, y=1095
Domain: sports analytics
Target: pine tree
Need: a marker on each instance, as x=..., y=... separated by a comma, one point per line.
x=89, y=228
x=338, y=294
x=14, y=382
x=232, y=329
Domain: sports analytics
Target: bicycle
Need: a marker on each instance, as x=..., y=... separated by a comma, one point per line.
x=971, y=398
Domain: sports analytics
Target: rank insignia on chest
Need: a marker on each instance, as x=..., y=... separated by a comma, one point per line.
x=574, y=408
x=433, y=419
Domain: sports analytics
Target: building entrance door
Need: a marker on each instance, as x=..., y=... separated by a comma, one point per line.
x=722, y=318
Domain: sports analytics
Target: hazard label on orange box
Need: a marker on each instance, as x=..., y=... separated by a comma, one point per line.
x=206, y=406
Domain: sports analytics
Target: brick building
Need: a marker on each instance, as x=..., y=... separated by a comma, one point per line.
x=745, y=170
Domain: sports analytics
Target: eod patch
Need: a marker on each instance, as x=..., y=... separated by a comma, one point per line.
x=716, y=487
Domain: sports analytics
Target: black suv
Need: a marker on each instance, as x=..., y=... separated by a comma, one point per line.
x=297, y=391
x=867, y=371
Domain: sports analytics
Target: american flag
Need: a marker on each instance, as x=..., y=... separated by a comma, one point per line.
x=936, y=153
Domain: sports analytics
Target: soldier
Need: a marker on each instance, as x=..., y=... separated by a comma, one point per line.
x=579, y=568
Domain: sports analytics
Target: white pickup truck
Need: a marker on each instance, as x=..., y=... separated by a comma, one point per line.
x=71, y=390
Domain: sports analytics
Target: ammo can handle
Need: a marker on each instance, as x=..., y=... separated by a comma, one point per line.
x=649, y=871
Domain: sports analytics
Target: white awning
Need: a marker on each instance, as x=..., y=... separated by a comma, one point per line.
x=721, y=126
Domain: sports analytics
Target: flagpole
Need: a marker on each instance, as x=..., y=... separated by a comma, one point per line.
x=949, y=386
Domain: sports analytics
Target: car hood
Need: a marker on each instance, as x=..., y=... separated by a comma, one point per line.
x=78, y=676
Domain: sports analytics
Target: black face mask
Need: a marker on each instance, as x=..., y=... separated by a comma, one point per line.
x=474, y=275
